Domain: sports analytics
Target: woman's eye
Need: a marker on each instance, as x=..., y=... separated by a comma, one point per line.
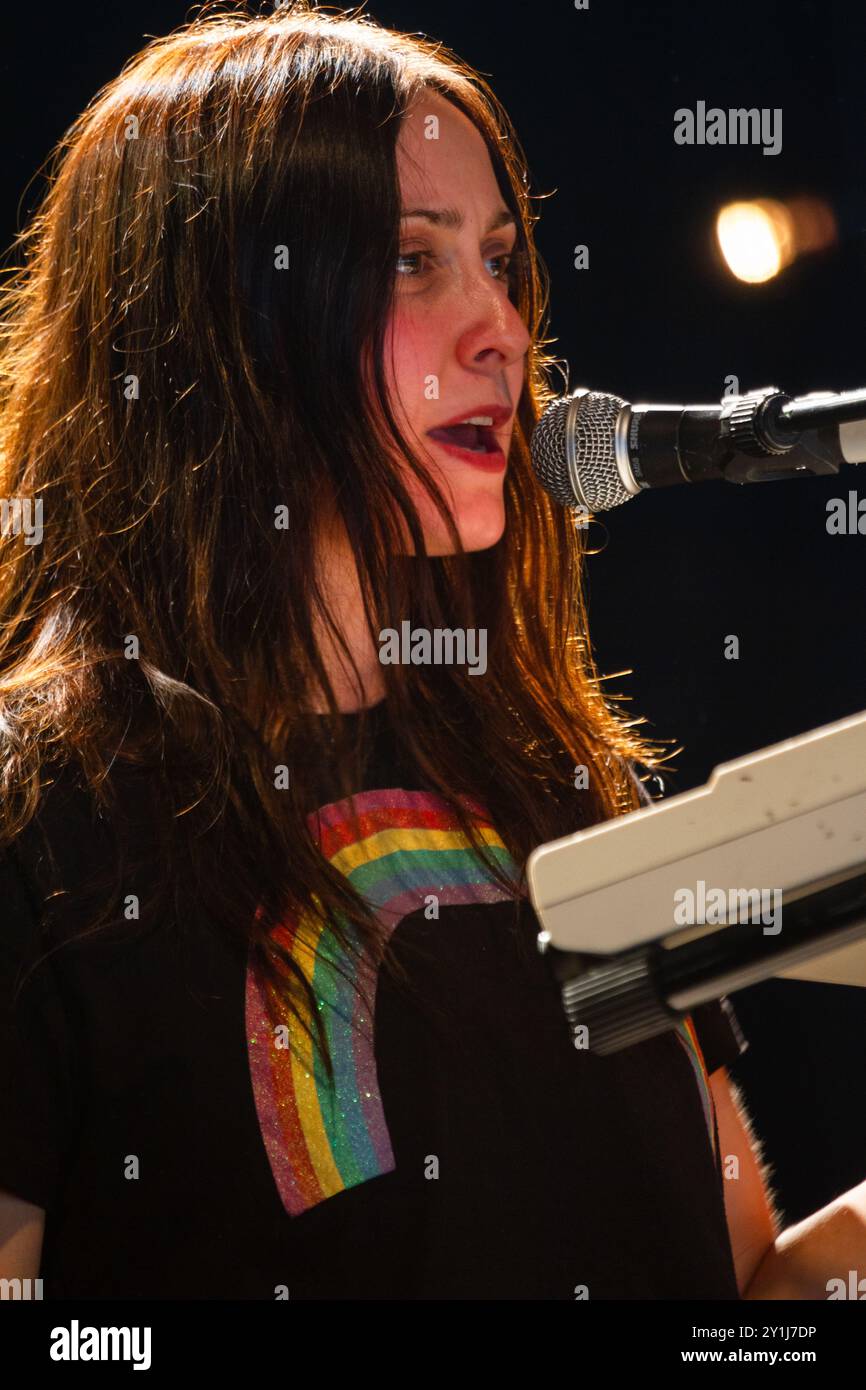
x=415, y=264
x=504, y=261
x=409, y=263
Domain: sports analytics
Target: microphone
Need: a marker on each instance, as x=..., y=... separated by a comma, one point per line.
x=594, y=451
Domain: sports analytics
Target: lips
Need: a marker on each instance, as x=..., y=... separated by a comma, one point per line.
x=475, y=438
x=499, y=414
x=480, y=439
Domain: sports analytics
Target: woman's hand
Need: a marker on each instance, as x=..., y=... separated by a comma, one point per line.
x=806, y=1259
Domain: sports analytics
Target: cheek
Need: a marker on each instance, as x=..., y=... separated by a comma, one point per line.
x=415, y=349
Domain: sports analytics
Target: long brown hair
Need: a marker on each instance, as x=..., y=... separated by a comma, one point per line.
x=175, y=393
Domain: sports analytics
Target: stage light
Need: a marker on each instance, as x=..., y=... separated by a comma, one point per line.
x=758, y=239
x=755, y=239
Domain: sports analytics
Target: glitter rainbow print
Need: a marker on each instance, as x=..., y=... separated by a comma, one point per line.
x=397, y=848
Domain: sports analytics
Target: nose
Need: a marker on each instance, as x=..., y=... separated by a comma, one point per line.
x=493, y=334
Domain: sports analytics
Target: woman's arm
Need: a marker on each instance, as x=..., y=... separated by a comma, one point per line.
x=753, y=1222
x=21, y=1229
x=795, y=1263
x=828, y=1245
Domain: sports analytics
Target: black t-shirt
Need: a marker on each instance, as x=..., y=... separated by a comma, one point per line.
x=464, y=1150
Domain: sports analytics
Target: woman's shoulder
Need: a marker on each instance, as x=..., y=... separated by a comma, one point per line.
x=56, y=826
x=32, y=859
x=69, y=835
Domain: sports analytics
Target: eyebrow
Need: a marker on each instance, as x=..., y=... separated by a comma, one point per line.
x=450, y=217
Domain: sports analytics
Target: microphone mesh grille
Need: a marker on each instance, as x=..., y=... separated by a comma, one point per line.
x=594, y=426
x=548, y=453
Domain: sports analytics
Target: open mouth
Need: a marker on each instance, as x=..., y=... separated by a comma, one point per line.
x=478, y=439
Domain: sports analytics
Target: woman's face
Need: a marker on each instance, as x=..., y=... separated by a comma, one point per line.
x=456, y=343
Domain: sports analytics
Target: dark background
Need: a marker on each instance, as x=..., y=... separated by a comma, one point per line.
x=592, y=94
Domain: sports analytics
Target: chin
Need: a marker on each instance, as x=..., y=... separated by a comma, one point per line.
x=479, y=518
x=480, y=524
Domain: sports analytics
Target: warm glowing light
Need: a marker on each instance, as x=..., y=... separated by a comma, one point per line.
x=759, y=238
x=755, y=239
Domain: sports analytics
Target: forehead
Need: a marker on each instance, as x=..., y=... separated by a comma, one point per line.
x=440, y=149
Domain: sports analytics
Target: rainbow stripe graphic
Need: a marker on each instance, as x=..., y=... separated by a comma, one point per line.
x=396, y=847
x=685, y=1033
